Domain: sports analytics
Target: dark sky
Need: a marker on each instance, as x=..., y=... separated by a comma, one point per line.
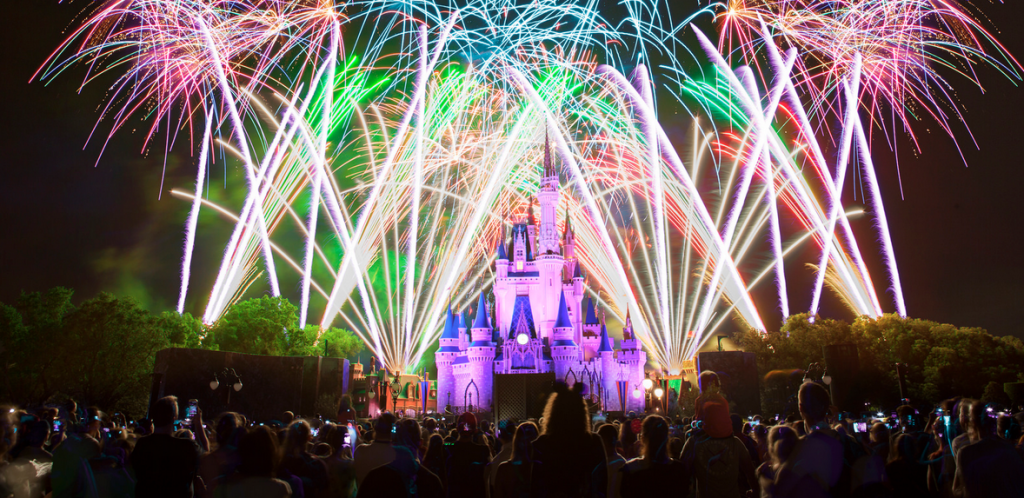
x=958, y=231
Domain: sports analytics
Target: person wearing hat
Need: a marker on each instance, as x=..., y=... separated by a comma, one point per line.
x=467, y=461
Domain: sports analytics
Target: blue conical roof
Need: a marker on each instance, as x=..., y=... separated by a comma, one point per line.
x=481, y=314
x=591, y=316
x=462, y=319
x=563, y=314
x=501, y=249
x=606, y=342
x=450, y=327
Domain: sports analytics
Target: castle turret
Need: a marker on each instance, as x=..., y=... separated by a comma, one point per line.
x=564, y=351
x=531, y=228
x=591, y=337
x=444, y=358
x=519, y=250
x=632, y=360
x=463, y=332
x=628, y=337
x=609, y=371
x=481, y=358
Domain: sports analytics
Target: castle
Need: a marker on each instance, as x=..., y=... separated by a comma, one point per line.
x=538, y=322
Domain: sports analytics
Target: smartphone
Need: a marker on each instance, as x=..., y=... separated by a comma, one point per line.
x=56, y=425
x=394, y=428
x=348, y=440
x=190, y=412
x=755, y=422
x=860, y=427
x=314, y=431
x=945, y=420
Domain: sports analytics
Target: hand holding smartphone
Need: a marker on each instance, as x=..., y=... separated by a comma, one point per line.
x=190, y=412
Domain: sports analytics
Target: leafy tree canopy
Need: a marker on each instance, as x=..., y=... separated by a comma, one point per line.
x=943, y=360
x=102, y=351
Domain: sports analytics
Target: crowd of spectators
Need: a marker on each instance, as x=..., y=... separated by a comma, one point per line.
x=962, y=448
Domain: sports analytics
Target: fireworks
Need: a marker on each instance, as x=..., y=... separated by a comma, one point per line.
x=904, y=47
x=414, y=130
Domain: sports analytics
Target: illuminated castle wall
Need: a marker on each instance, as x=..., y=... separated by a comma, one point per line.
x=537, y=323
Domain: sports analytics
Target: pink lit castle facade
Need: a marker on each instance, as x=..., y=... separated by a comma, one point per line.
x=539, y=321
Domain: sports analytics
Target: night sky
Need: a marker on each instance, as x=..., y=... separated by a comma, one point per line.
x=958, y=231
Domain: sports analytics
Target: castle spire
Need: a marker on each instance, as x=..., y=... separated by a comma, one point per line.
x=591, y=316
x=549, y=169
x=606, y=343
x=563, y=320
x=529, y=214
x=450, y=327
x=481, y=321
x=501, y=244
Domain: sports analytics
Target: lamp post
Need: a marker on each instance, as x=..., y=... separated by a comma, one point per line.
x=647, y=384
x=228, y=374
x=395, y=386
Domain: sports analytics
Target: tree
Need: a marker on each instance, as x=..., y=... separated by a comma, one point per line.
x=341, y=343
x=183, y=331
x=994, y=394
x=32, y=335
x=256, y=326
x=108, y=353
x=943, y=360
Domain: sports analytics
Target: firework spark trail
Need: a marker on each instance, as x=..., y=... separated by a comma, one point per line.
x=193, y=217
x=240, y=134
x=333, y=304
x=232, y=257
x=643, y=86
x=754, y=111
x=902, y=43
x=417, y=191
x=680, y=172
x=314, y=191
x=779, y=152
x=876, y=201
x=844, y=157
x=819, y=158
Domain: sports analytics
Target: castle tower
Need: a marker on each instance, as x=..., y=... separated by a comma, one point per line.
x=633, y=360
x=548, y=241
x=591, y=337
x=500, y=287
x=481, y=357
x=519, y=250
x=569, y=246
x=444, y=358
x=531, y=228
x=564, y=351
x=609, y=370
